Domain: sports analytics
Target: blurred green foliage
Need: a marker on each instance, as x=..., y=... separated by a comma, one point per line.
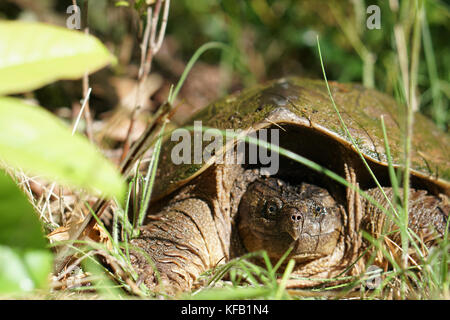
x=25, y=260
x=278, y=38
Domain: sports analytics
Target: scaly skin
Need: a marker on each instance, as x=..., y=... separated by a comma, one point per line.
x=427, y=217
x=184, y=240
x=275, y=216
x=183, y=243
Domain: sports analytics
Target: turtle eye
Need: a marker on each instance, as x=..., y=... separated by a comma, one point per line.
x=271, y=208
x=319, y=210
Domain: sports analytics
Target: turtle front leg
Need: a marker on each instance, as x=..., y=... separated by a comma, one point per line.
x=179, y=244
x=427, y=214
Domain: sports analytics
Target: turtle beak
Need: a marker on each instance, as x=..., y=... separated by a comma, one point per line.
x=294, y=223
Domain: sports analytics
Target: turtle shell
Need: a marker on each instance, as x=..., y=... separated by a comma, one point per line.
x=310, y=127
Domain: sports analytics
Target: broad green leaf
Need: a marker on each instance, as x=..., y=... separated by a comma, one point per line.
x=23, y=270
x=35, y=54
x=34, y=140
x=39, y=264
x=19, y=224
x=25, y=260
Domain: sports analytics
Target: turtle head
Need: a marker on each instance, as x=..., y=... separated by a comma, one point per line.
x=275, y=216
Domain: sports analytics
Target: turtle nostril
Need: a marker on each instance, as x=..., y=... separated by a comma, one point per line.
x=296, y=217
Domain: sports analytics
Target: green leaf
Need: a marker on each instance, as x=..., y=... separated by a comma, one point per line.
x=33, y=139
x=19, y=224
x=39, y=264
x=122, y=4
x=35, y=54
x=23, y=271
x=25, y=260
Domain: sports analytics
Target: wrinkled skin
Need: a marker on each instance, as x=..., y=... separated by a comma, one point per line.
x=183, y=240
x=199, y=221
x=275, y=216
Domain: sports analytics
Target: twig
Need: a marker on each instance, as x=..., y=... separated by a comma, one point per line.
x=145, y=40
x=156, y=46
x=47, y=204
x=148, y=49
x=144, y=45
x=146, y=139
x=85, y=103
x=87, y=113
x=85, y=81
x=153, y=47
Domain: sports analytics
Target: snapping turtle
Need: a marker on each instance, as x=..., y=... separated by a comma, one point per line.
x=206, y=213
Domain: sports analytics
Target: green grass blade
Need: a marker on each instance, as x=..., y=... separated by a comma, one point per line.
x=150, y=178
x=286, y=274
x=207, y=46
x=344, y=126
